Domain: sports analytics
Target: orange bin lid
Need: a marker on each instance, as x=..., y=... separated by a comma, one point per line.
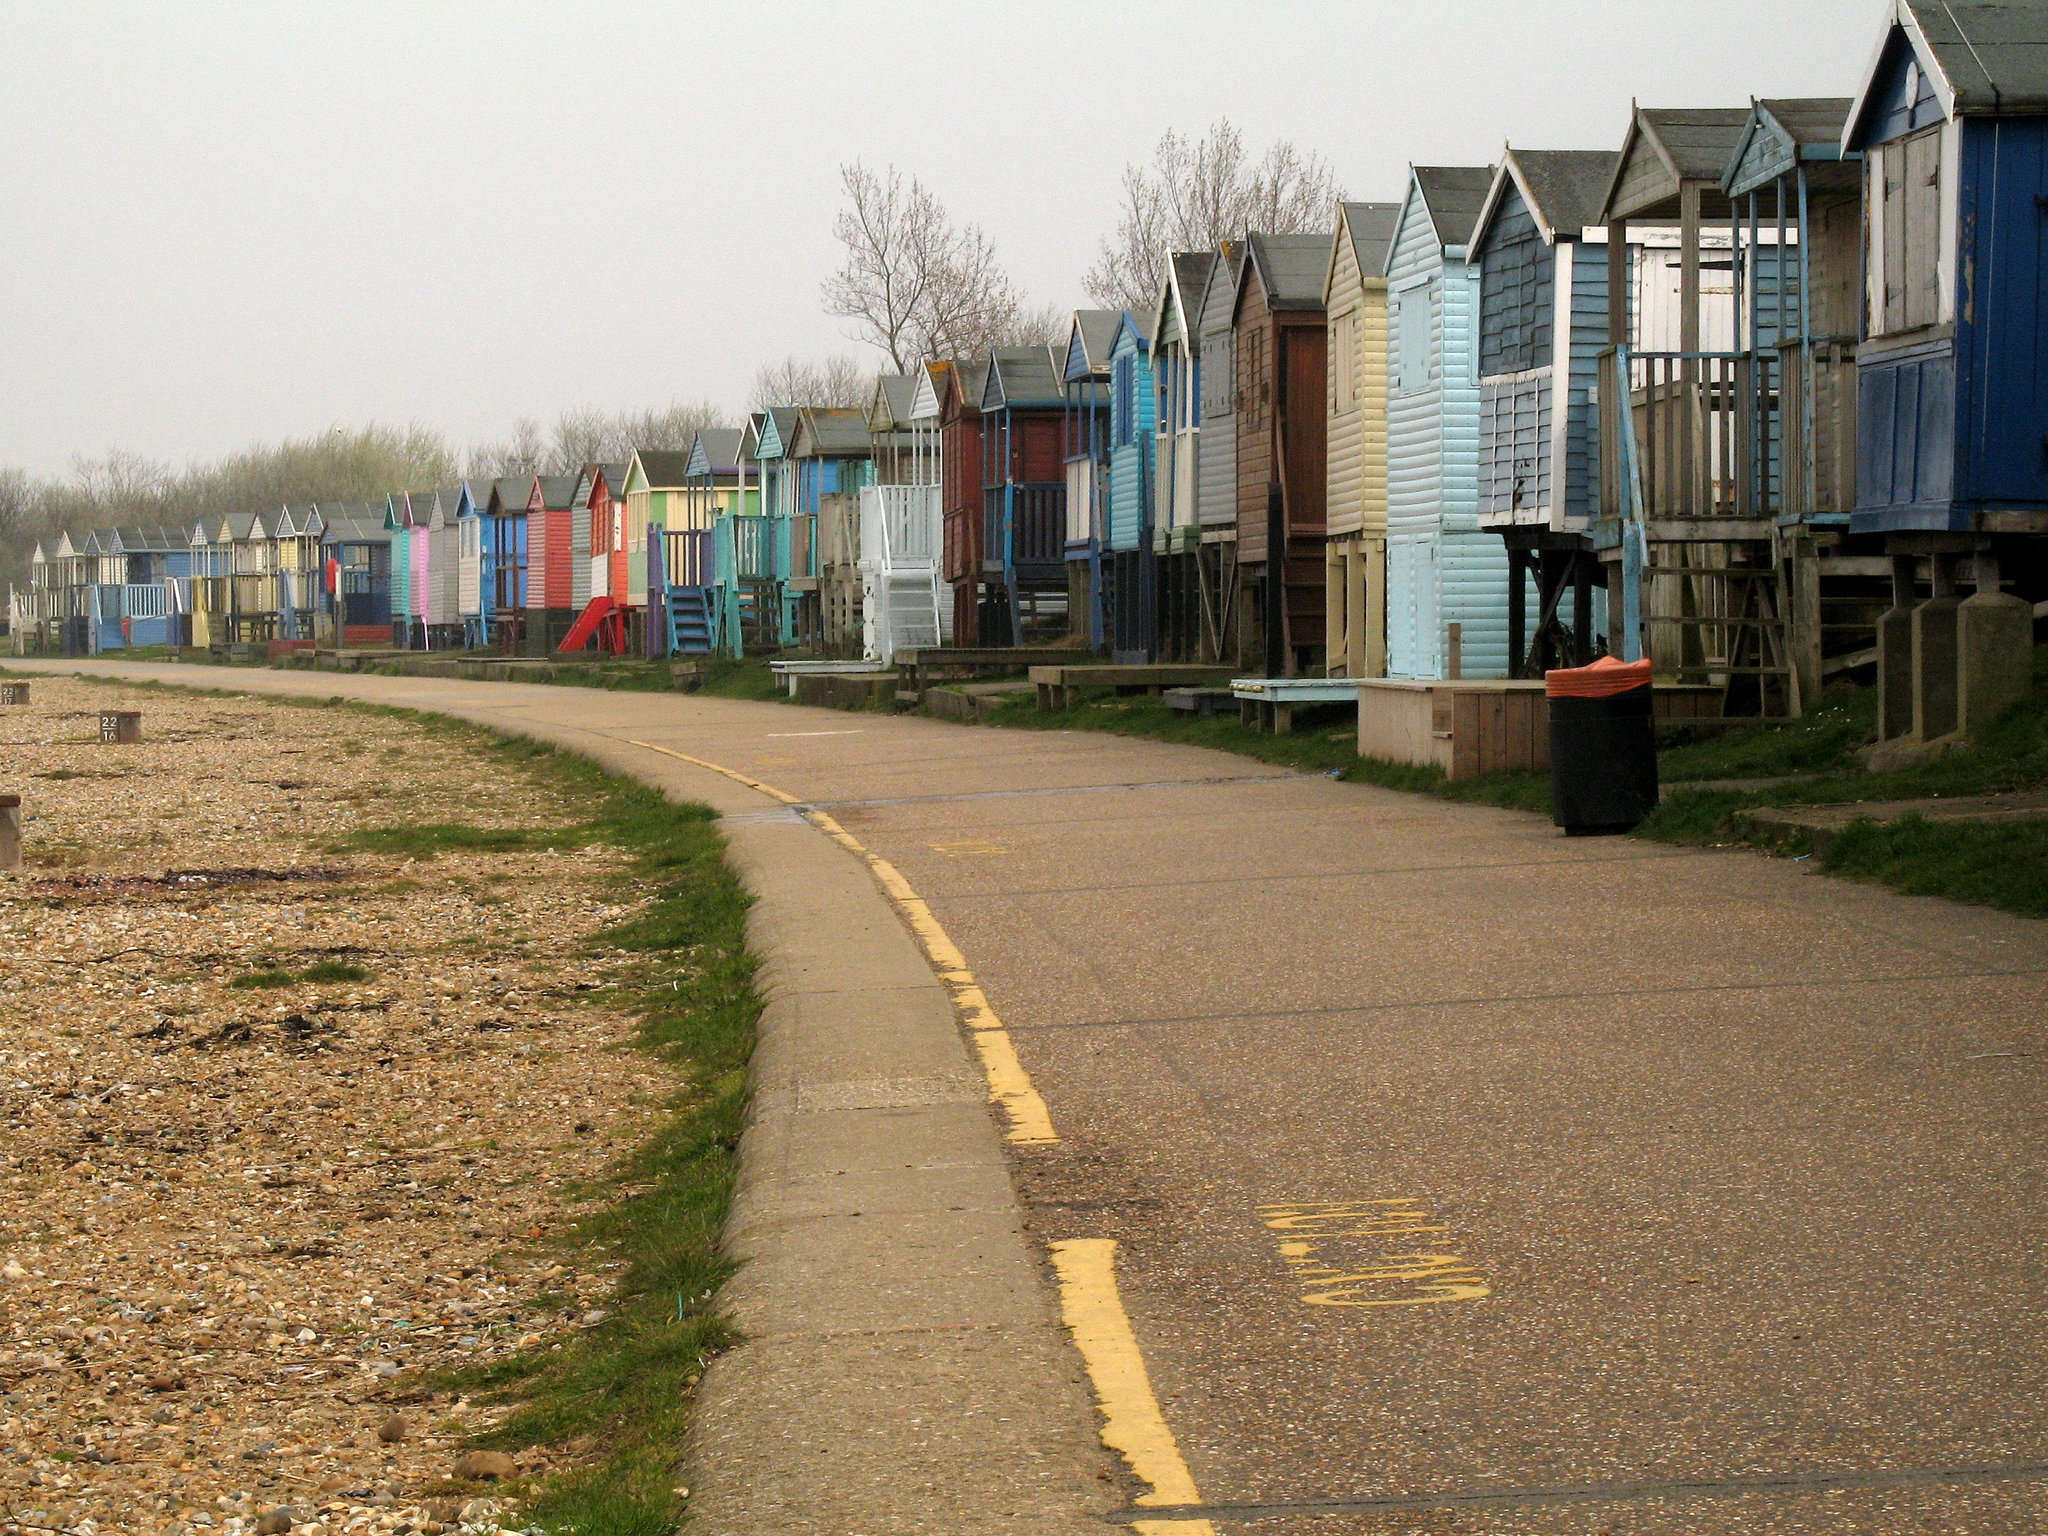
x=1602, y=680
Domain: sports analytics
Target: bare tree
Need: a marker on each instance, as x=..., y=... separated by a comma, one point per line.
x=1198, y=192
x=916, y=284
x=837, y=381
x=525, y=452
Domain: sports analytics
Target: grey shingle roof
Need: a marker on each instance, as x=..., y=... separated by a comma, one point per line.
x=557, y=491
x=833, y=432
x=1291, y=268
x=1371, y=230
x=1098, y=335
x=1026, y=376
x=1191, y=271
x=665, y=468
x=1994, y=52
x=1452, y=194
x=721, y=448
x=1568, y=186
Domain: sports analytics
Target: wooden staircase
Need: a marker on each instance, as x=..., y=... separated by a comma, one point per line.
x=690, y=621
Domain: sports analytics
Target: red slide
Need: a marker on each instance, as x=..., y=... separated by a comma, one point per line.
x=586, y=624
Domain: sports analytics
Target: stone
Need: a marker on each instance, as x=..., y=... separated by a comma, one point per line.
x=488, y=1466
x=393, y=1429
x=282, y=1518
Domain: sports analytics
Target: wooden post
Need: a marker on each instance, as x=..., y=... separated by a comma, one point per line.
x=1454, y=652
x=13, y=693
x=120, y=727
x=10, y=831
x=1692, y=470
x=1617, y=285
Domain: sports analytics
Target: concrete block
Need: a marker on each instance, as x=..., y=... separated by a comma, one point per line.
x=1895, y=674
x=1934, y=667
x=122, y=726
x=13, y=693
x=10, y=831
x=1994, y=656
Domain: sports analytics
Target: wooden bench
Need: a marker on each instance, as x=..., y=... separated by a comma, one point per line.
x=787, y=672
x=1058, y=685
x=1268, y=703
x=917, y=670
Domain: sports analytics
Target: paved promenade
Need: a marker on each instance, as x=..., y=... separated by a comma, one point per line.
x=1461, y=1177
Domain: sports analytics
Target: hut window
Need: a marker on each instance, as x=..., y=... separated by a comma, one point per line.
x=1905, y=233
x=1344, y=363
x=1412, y=327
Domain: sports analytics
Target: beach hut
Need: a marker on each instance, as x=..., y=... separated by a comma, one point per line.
x=1130, y=559
x=550, y=562
x=445, y=630
x=904, y=601
x=1282, y=478
x=355, y=549
x=504, y=516
x=1686, y=478
x=1793, y=188
x=1023, y=494
x=683, y=497
x=777, y=535
x=1542, y=324
x=1442, y=571
x=611, y=612
x=1216, y=465
x=1085, y=445
x=252, y=567
x=1355, y=438
x=1177, y=381
x=960, y=448
x=473, y=563
x=1952, y=473
x=830, y=458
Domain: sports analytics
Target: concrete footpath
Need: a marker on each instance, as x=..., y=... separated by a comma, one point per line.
x=904, y=1369
x=1421, y=1169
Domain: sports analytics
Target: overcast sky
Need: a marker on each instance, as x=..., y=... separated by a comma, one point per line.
x=228, y=223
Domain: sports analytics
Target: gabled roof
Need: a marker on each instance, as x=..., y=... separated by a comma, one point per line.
x=970, y=381
x=1675, y=145
x=1452, y=195
x=750, y=435
x=1369, y=227
x=1089, y=338
x=1781, y=134
x=239, y=526
x=508, y=495
x=777, y=432
x=351, y=525
x=1563, y=188
x=1983, y=57
x=1020, y=378
x=614, y=475
x=832, y=432
x=933, y=377
x=1138, y=331
x=554, y=493
x=1219, y=304
x=716, y=451
x=1182, y=288
x=889, y=405
x=1290, y=269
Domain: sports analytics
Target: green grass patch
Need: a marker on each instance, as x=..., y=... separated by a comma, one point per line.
x=324, y=970
x=254, y=981
x=1994, y=864
x=624, y=1388
x=1329, y=747
x=724, y=678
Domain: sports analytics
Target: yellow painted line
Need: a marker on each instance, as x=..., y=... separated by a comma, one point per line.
x=1008, y=1083
x=1132, y=1424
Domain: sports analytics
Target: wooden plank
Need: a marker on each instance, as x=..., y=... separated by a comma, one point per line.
x=1464, y=735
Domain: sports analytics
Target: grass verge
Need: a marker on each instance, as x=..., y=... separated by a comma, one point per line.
x=623, y=1390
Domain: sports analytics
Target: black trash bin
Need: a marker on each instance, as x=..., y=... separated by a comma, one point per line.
x=1603, y=747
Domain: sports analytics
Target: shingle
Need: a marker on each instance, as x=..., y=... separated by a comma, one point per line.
x=1292, y=268
x=1994, y=52
x=1453, y=194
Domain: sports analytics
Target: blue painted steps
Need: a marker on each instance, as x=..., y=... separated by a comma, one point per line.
x=689, y=621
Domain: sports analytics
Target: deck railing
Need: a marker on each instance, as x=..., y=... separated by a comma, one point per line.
x=753, y=546
x=899, y=526
x=1700, y=438
x=1819, y=396
x=689, y=557
x=1025, y=521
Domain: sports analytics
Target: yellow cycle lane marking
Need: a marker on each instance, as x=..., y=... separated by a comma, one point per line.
x=1008, y=1083
x=1132, y=1424
x=1090, y=1304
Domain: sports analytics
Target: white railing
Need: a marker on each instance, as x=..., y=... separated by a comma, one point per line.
x=900, y=526
x=144, y=601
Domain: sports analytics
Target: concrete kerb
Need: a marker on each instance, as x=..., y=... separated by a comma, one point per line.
x=905, y=1369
